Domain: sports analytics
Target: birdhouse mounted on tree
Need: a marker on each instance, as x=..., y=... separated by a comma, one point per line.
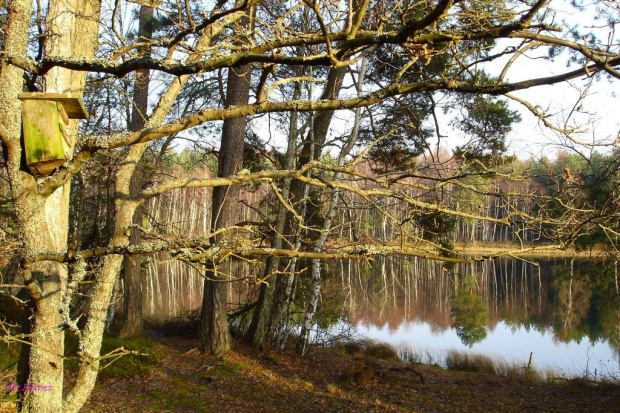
x=45, y=122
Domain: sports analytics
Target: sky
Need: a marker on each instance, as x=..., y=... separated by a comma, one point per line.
x=598, y=117
x=598, y=99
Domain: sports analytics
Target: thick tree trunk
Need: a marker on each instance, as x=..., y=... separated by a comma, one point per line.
x=43, y=218
x=132, y=286
x=214, y=318
x=125, y=208
x=42, y=361
x=214, y=321
x=23, y=186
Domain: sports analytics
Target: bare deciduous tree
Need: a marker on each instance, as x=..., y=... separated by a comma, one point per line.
x=403, y=40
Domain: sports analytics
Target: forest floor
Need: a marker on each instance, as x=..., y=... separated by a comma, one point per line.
x=176, y=377
x=330, y=380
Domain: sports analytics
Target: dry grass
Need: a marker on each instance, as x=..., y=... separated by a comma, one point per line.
x=409, y=355
x=453, y=360
x=247, y=379
x=368, y=348
x=477, y=363
x=382, y=351
x=465, y=361
x=364, y=368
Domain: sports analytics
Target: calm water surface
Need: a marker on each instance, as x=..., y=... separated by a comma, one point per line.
x=504, y=343
x=564, y=311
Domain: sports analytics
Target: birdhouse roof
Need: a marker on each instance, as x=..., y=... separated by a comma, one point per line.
x=71, y=103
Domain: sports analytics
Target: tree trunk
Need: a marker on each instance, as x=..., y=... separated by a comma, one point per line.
x=315, y=283
x=263, y=326
x=213, y=317
x=43, y=218
x=132, y=291
x=124, y=211
x=214, y=321
x=271, y=314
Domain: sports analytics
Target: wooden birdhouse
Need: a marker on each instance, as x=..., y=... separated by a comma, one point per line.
x=45, y=121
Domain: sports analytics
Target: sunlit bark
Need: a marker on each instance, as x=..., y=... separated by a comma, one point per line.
x=132, y=294
x=214, y=321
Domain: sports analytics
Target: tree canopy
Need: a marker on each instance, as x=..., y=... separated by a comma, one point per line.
x=350, y=91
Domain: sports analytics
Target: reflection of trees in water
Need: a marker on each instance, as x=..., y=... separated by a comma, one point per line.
x=572, y=298
x=572, y=304
x=469, y=312
x=572, y=301
x=587, y=302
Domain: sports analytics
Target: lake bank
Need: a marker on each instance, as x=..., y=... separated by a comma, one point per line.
x=181, y=379
x=330, y=380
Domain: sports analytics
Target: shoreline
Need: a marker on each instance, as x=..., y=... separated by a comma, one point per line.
x=177, y=378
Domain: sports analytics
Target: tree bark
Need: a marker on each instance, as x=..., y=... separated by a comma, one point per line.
x=263, y=329
x=43, y=219
x=315, y=283
x=274, y=301
x=214, y=331
x=124, y=211
x=132, y=292
x=214, y=321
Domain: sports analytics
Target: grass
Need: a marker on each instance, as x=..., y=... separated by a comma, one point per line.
x=341, y=378
x=143, y=357
x=409, y=355
x=176, y=399
x=121, y=357
x=231, y=367
x=9, y=354
x=478, y=363
x=368, y=348
x=462, y=361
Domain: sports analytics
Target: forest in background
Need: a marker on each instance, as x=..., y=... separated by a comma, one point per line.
x=173, y=289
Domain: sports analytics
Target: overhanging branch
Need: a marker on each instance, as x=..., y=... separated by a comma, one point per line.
x=206, y=251
x=212, y=114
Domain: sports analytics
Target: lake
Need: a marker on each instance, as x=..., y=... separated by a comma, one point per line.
x=564, y=311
